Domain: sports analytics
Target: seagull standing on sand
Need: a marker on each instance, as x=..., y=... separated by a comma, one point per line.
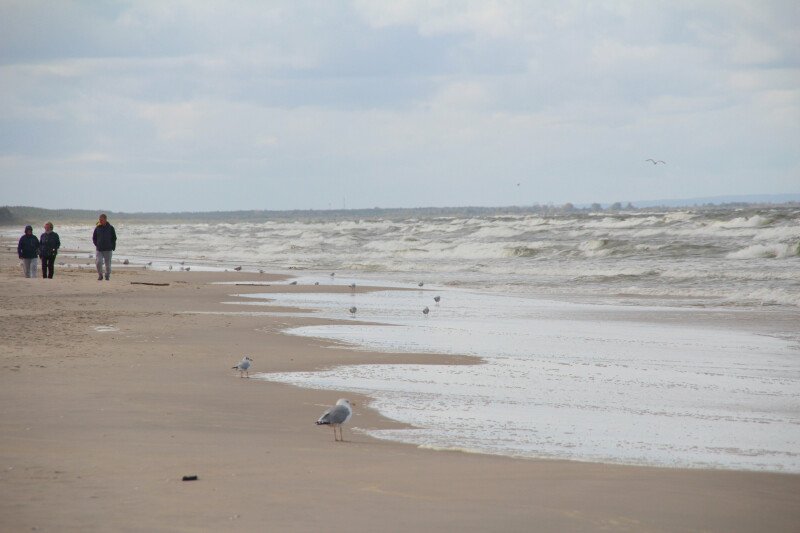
x=656, y=162
x=244, y=366
x=353, y=310
x=352, y=286
x=336, y=416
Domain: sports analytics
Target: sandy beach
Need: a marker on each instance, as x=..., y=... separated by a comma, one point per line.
x=112, y=391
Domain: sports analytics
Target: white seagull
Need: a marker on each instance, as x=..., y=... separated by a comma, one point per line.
x=244, y=366
x=336, y=416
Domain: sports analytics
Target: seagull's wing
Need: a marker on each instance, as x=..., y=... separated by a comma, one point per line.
x=338, y=414
x=325, y=418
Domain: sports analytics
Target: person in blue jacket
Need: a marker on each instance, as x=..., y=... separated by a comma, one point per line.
x=28, y=250
x=49, y=243
x=105, y=242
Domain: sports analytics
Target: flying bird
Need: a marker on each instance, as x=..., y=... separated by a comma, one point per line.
x=336, y=416
x=244, y=366
x=656, y=162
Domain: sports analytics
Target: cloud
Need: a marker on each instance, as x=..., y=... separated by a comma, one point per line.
x=388, y=98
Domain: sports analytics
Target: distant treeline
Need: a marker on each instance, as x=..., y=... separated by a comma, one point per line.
x=15, y=215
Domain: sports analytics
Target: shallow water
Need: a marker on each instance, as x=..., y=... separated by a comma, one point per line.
x=558, y=380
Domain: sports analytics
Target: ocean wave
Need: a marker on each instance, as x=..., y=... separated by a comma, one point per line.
x=767, y=251
x=755, y=221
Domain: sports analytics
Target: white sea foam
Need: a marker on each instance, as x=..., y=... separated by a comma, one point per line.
x=779, y=251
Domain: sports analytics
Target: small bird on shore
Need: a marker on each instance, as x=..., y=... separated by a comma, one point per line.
x=353, y=310
x=437, y=299
x=293, y=283
x=237, y=269
x=426, y=311
x=336, y=416
x=352, y=286
x=244, y=366
x=420, y=284
x=656, y=162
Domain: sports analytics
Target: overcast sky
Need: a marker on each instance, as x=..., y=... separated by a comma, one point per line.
x=196, y=105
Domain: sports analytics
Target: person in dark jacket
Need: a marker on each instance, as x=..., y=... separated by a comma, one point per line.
x=105, y=242
x=49, y=243
x=27, y=250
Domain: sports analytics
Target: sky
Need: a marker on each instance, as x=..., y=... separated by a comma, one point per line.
x=203, y=106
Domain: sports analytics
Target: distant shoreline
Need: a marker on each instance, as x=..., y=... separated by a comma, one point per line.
x=14, y=215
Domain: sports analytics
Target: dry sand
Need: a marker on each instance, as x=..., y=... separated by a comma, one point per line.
x=98, y=428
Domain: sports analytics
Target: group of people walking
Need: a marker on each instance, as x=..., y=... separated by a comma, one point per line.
x=46, y=248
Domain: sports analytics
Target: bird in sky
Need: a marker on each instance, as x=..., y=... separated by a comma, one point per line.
x=655, y=162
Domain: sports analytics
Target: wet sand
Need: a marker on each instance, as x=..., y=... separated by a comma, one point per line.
x=99, y=425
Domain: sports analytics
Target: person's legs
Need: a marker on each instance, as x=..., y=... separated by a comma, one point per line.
x=107, y=258
x=48, y=264
x=26, y=267
x=98, y=262
x=33, y=265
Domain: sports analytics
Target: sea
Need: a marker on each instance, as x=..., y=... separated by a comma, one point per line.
x=665, y=338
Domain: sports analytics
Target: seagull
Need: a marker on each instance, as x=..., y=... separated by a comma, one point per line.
x=353, y=310
x=656, y=162
x=333, y=274
x=188, y=268
x=336, y=416
x=437, y=298
x=353, y=286
x=420, y=284
x=244, y=366
x=260, y=270
x=237, y=269
x=316, y=283
x=426, y=311
x=293, y=283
